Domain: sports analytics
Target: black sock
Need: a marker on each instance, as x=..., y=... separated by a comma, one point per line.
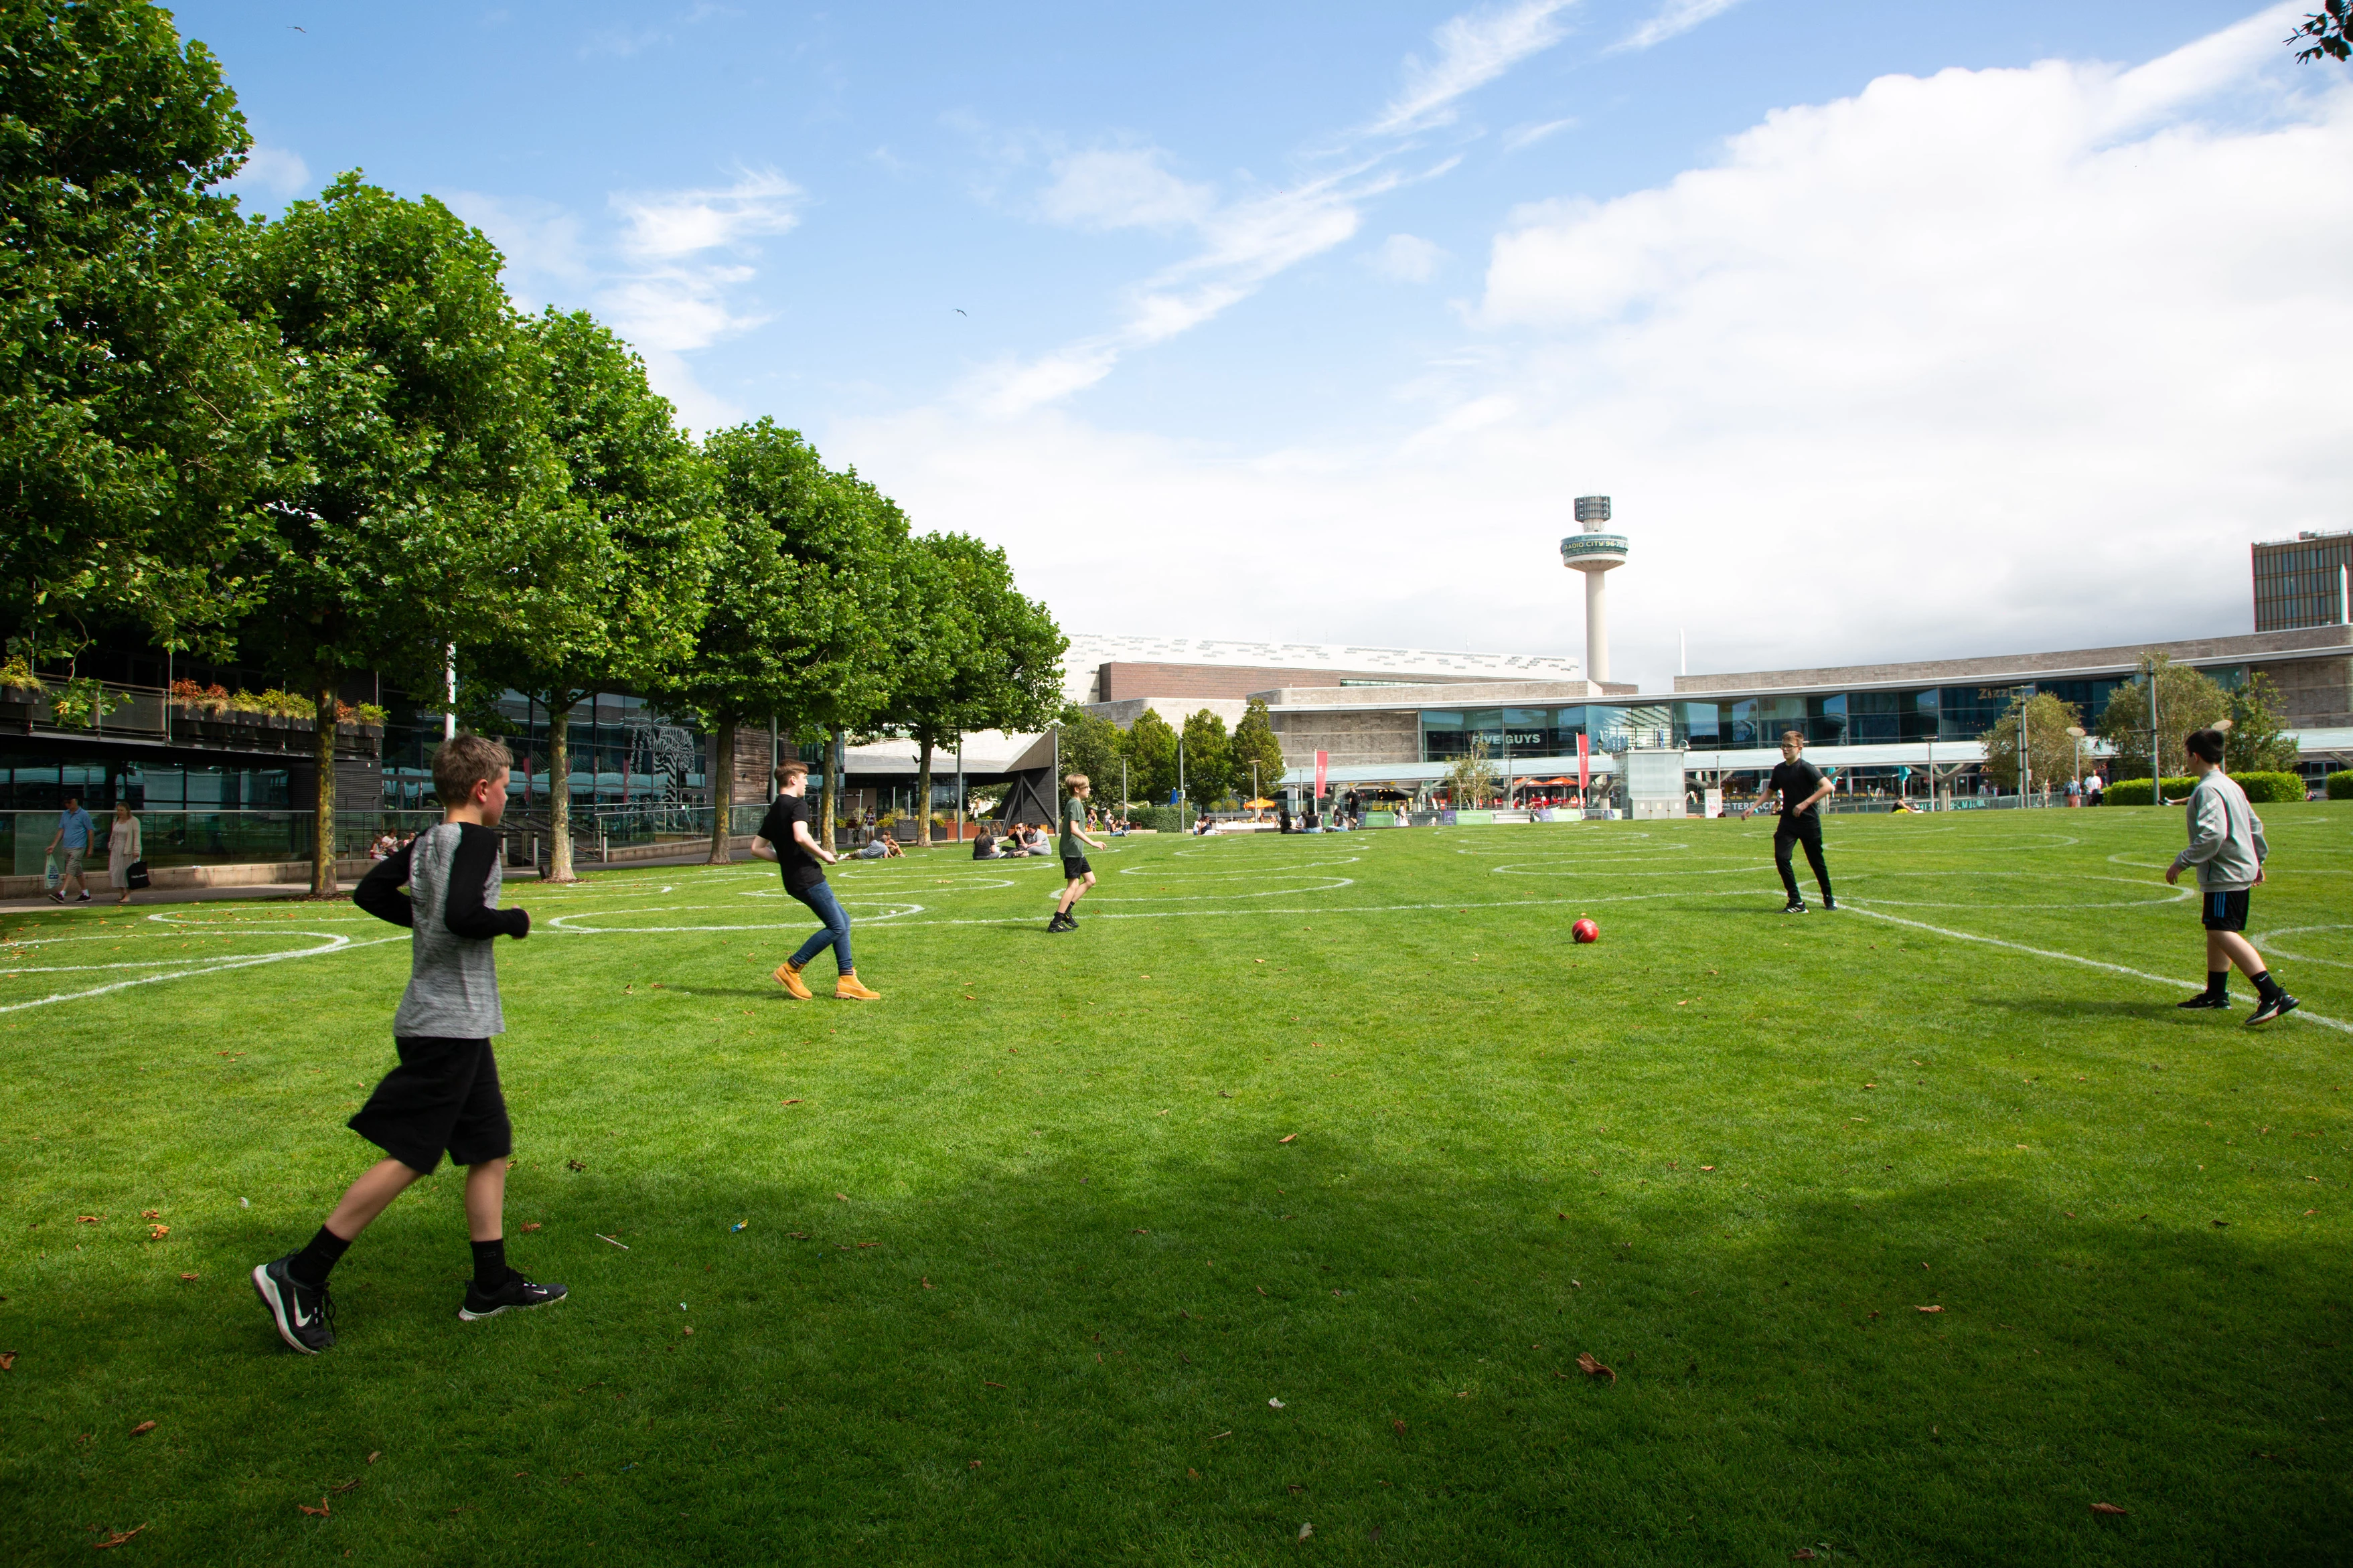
x=310, y=1266
x=2266, y=985
x=2218, y=982
x=489, y=1264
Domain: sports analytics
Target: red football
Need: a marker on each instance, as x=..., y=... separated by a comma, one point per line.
x=1586, y=930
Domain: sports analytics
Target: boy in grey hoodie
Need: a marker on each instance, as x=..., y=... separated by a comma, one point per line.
x=2226, y=845
x=444, y=1097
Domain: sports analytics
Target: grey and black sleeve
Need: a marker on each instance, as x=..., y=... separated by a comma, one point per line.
x=379, y=892
x=465, y=915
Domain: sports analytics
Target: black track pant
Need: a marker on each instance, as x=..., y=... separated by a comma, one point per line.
x=1805, y=830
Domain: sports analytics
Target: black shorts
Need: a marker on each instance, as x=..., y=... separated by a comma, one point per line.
x=2223, y=911
x=1075, y=866
x=444, y=1095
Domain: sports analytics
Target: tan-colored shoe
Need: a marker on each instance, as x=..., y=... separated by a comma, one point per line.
x=790, y=979
x=849, y=989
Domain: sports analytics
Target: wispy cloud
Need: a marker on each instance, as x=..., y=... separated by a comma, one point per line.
x=275, y=171
x=1473, y=49
x=1406, y=259
x=680, y=222
x=1529, y=135
x=1674, y=17
x=1248, y=240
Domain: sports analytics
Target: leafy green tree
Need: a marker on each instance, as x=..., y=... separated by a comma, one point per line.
x=136, y=399
x=1091, y=745
x=1150, y=749
x=1208, y=760
x=2257, y=742
x=806, y=569
x=412, y=477
x=2051, y=754
x=2186, y=700
x=1254, y=741
x=1471, y=778
x=2326, y=28
x=613, y=590
x=967, y=652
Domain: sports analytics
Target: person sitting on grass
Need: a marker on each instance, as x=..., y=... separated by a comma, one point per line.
x=444, y=1096
x=2226, y=845
x=984, y=847
x=1033, y=839
x=882, y=847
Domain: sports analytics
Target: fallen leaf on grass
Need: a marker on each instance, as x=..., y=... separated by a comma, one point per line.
x=143, y=1427
x=86, y=1220
x=187, y=1277
x=927, y=1283
x=986, y=1384
x=158, y=1232
x=975, y=1464
x=690, y=1333
x=1221, y=1435
x=1928, y=1308
x=1139, y=1230
x=1592, y=1368
x=158, y=1214
x=1276, y=1404
x=1708, y=1167
x=843, y=1196
x=1305, y=1531
x=1286, y=1137
x=117, y=1539
x=373, y=1456
x=792, y=1102
x=1875, y=1314
x=2107, y=1508
x=322, y=1511
x=797, y=1234
x=1802, y=1554
x=530, y=1224
x=1190, y=1473
x=352, y=1485
x=1260, y=1288
x=658, y=985
x=576, y=1164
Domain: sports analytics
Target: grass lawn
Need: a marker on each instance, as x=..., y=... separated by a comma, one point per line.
x=1287, y=1190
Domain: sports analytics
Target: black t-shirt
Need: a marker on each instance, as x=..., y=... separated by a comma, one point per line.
x=801, y=868
x=1796, y=781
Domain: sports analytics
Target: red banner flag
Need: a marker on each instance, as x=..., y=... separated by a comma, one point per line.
x=1584, y=768
x=1323, y=761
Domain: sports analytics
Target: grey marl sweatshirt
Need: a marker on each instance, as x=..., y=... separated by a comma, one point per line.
x=453, y=874
x=2226, y=836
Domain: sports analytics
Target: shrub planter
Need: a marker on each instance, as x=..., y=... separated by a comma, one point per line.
x=18, y=710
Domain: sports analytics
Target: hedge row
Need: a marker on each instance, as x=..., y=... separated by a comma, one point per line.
x=2263, y=789
x=2340, y=785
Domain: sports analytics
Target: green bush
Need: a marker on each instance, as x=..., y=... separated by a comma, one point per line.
x=2270, y=789
x=2340, y=785
x=2135, y=791
x=1165, y=818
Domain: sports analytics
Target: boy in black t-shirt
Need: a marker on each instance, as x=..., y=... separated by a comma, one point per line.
x=1801, y=787
x=1075, y=845
x=785, y=838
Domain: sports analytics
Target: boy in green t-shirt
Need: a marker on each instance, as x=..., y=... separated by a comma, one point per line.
x=1082, y=875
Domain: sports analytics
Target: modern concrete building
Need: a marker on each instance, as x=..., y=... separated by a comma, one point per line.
x=1882, y=725
x=2307, y=581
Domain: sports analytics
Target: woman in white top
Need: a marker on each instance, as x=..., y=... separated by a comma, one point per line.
x=121, y=850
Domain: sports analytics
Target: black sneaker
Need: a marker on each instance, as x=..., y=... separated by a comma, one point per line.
x=57, y=898
x=2207, y=999
x=514, y=1295
x=1061, y=922
x=1794, y=906
x=304, y=1316
x=1829, y=902
x=2280, y=1001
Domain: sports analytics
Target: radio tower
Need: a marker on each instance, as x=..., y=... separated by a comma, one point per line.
x=1593, y=553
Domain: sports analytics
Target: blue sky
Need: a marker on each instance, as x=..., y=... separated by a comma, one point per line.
x=1306, y=321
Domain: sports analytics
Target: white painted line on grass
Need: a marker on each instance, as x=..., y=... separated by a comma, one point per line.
x=2167, y=979
x=334, y=944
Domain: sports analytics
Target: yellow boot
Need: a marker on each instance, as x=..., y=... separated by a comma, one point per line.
x=788, y=976
x=847, y=989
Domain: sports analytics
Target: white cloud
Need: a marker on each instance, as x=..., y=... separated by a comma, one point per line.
x=545, y=255
x=1251, y=239
x=1473, y=49
x=1124, y=188
x=275, y=171
x=1672, y=19
x=1529, y=135
x=680, y=222
x=1406, y=259
x=1983, y=361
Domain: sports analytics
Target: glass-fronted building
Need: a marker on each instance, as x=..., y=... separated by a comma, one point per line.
x=2303, y=582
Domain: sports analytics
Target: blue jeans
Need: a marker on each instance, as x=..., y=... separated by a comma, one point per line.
x=836, y=934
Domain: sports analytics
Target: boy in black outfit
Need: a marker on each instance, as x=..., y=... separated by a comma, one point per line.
x=1802, y=788
x=444, y=1095
x=785, y=837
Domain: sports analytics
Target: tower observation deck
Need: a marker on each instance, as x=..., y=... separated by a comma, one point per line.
x=1594, y=553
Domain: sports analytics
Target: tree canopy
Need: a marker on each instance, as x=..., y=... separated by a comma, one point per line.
x=2186, y=700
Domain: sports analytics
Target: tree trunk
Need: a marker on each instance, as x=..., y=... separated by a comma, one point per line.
x=825, y=794
x=559, y=786
x=722, y=795
x=322, y=748
x=923, y=794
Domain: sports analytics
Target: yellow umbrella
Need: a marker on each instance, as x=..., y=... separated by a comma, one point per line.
x=1257, y=804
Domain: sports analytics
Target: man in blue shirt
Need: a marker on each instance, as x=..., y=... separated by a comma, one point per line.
x=71, y=843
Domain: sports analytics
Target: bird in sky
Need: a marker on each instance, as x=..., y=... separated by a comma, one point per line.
x=959, y=310
x=292, y=28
